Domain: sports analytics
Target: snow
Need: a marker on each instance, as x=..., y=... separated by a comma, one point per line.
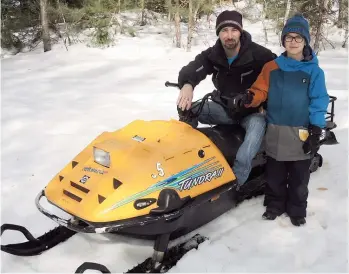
x=55, y=103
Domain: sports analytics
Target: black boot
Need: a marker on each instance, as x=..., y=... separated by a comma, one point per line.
x=269, y=215
x=298, y=221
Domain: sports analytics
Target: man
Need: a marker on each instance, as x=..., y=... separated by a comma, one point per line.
x=234, y=62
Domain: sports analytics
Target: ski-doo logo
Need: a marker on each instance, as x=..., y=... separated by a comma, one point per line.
x=84, y=179
x=95, y=170
x=207, y=177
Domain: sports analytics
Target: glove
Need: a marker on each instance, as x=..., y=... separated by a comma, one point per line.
x=312, y=143
x=240, y=100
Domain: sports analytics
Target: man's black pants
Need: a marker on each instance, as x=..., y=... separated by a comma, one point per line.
x=287, y=187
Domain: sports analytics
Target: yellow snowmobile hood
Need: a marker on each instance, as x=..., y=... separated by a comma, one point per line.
x=145, y=158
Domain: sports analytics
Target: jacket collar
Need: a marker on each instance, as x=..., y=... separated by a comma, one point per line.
x=245, y=56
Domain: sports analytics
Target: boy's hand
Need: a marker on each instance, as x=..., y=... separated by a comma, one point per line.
x=312, y=144
x=247, y=98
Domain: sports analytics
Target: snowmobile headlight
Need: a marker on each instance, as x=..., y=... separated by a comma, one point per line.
x=101, y=157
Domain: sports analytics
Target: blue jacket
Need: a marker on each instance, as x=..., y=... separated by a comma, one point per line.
x=297, y=97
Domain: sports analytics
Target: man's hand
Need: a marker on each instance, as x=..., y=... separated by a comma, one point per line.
x=185, y=97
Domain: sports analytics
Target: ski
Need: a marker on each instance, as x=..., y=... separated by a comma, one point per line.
x=172, y=256
x=35, y=246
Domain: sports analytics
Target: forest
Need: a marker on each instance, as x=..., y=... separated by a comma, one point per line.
x=27, y=23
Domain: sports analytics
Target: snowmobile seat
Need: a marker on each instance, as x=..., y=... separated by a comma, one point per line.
x=228, y=139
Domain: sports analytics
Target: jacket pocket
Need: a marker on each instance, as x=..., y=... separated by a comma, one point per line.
x=286, y=142
x=303, y=134
x=244, y=75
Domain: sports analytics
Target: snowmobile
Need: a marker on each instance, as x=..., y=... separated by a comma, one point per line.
x=151, y=179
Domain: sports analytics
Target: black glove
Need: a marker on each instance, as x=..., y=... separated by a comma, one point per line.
x=312, y=144
x=240, y=100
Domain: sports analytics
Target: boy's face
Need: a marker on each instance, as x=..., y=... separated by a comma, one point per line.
x=230, y=37
x=294, y=43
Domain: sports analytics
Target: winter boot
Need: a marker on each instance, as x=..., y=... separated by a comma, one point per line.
x=298, y=221
x=269, y=215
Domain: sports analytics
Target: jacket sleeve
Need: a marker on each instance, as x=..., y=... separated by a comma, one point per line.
x=196, y=70
x=261, y=86
x=319, y=99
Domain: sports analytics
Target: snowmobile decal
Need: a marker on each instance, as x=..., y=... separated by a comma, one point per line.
x=160, y=170
x=95, y=170
x=207, y=177
x=84, y=179
x=177, y=180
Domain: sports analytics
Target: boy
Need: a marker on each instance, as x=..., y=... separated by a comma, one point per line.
x=296, y=107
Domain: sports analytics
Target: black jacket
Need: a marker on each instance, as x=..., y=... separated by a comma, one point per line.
x=228, y=80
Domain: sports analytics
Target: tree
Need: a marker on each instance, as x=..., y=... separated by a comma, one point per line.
x=288, y=7
x=190, y=25
x=143, y=13
x=44, y=25
x=322, y=16
x=178, y=26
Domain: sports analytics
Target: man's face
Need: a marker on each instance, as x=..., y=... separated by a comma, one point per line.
x=230, y=37
x=294, y=43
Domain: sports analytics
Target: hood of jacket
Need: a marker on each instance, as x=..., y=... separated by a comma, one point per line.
x=288, y=64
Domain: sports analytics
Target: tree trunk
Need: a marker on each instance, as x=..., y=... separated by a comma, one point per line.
x=264, y=13
x=323, y=10
x=190, y=25
x=143, y=15
x=169, y=6
x=44, y=25
x=345, y=37
x=288, y=7
x=119, y=4
x=178, y=26
x=340, y=14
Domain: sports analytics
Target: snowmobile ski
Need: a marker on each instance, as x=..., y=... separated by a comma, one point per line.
x=170, y=259
x=35, y=246
x=172, y=256
x=92, y=266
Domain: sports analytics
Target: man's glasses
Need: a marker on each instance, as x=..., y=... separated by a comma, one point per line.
x=298, y=39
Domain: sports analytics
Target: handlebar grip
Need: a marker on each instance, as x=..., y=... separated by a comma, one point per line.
x=169, y=84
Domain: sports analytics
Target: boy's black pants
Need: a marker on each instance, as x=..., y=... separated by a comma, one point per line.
x=287, y=187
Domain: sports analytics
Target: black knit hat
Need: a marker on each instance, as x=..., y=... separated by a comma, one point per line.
x=229, y=18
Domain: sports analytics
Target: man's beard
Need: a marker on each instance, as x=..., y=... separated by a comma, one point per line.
x=231, y=44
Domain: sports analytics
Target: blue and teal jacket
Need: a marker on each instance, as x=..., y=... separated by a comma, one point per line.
x=297, y=97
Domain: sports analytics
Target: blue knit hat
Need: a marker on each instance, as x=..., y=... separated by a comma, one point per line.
x=297, y=24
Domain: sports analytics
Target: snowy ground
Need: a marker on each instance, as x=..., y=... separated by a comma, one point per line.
x=54, y=104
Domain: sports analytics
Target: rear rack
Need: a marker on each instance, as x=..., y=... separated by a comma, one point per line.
x=331, y=114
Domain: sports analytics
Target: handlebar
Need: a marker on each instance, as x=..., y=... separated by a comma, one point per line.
x=169, y=84
x=199, y=104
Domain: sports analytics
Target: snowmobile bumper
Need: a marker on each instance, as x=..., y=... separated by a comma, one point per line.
x=83, y=226
x=185, y=218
